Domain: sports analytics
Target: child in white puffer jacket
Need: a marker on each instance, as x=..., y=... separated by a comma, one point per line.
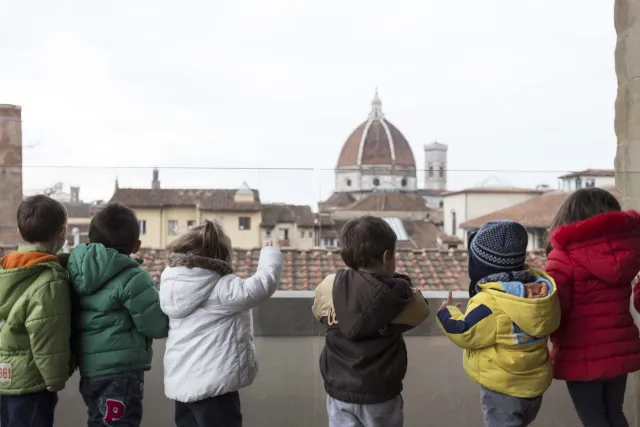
x=210, y=353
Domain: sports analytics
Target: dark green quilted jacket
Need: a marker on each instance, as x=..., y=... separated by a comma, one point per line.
x=116, y=311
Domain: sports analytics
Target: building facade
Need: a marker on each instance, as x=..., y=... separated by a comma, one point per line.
x=10, y=173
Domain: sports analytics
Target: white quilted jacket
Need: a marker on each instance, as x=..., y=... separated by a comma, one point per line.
x=210, y=348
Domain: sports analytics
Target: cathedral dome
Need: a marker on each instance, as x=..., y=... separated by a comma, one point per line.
x=376, y=142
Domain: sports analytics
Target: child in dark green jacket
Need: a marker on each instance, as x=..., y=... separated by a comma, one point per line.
x=116, y=314
x=34, y=317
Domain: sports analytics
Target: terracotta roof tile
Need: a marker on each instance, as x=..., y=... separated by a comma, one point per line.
x=495, y=190
x=303, y=270
x=336, y=200
x=389, y=201
x=281, y=213
x=209, y=199
x=537, y=212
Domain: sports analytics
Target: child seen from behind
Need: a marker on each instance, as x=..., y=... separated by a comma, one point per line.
x=366, y=309
x=210, y=353
x=506, y=324
x=35, y=313
x=116, y=316
x=594, y=257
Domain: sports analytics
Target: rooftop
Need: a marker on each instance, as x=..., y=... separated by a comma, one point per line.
x=495, y=190
x=430, y=270
x=388, y=201
x=537, y=212
x=276, y=213
x=590, y=172
x=208, y=199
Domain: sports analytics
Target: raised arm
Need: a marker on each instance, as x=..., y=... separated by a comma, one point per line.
x=475, y=329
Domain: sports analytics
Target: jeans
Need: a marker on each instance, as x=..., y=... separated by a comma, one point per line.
x=599, y=403
x=113, y=400
x=385, y=414
x=501, y=410
x=218, y=411
x=28, y=410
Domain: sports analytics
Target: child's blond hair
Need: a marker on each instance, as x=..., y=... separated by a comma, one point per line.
x=206, y=240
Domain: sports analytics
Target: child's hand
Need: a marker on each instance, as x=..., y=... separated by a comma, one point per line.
x=54, y=388
x=449, y=301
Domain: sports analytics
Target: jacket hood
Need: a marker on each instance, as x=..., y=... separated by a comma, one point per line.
x=537, y=317
x=606, y=245
x=15, y=281
x=93, y=265
x=363, y=299
x=188, y=281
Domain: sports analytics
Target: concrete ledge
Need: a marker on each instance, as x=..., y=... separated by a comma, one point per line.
x=288, y=313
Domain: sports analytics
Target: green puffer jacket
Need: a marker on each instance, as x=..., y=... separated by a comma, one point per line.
x=116, y=311
x=35, y=314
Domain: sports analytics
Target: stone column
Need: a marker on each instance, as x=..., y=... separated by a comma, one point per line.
x=10, y=172
x=627, y=127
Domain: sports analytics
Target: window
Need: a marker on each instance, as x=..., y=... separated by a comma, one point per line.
x=590, y=183
x=441, y=204
x=191, y=224
x=244, y=223
x=285, y=234
x=578, y=183
x=404, y=182
x=267, y=234
x=348, y=183
x=430, y=171
x=376, y=181
x=143, y=226
x=454, y=226
x=311, y=234
x=302, y=234
x=172, y=229
x=441, y=171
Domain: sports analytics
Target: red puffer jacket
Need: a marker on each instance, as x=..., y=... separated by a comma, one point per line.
x=593, y=263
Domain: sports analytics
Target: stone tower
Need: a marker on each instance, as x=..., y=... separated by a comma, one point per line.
x=10, y=172
x=435, y=164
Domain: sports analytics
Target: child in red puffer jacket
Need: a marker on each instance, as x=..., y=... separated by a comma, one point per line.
x=594, y=257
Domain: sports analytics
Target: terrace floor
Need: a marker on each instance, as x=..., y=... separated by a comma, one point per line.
x=289, y=391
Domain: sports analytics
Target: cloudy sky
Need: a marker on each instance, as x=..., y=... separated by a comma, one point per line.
x=511, y=86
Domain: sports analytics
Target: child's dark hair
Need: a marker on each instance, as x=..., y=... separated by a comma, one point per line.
x=583, y=204
x=115, y=226
x=40, y=218
x=365, y=240
x=206, y=240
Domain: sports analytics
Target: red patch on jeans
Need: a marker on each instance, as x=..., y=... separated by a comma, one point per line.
x=115, y=410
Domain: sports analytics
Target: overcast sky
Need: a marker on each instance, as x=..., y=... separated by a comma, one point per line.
x=509, y=85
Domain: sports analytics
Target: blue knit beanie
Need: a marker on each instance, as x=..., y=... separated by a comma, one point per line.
x=497, y=247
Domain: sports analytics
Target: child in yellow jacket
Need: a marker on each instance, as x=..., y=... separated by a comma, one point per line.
x=505, y=327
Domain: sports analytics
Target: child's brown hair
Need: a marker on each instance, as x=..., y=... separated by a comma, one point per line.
x=206, y=240
x=584, y=204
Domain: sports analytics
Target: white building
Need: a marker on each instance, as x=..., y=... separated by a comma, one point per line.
x=600, y=178
x=465, y=205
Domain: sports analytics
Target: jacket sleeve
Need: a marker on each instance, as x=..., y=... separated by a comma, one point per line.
x=323, y=299
x=560, y=268
x=415, y=312
x=140, y=297
x=239, y=294
x=48, y=324
x=473, y=330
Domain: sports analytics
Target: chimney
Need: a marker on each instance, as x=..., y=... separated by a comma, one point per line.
x=75, y=195
x=155, y=184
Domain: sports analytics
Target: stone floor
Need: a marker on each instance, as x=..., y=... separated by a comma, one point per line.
x=289, y=393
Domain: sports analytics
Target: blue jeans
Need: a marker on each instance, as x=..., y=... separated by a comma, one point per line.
x=28, y=410
x=501, y=410
x=113, y=400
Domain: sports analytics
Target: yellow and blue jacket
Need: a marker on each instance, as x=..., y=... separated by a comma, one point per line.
x=504, y=336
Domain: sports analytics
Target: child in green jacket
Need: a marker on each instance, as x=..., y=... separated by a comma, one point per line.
x=34, y=317
x=116, y=315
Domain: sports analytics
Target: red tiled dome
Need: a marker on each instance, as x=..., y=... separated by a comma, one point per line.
x=376, y=142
